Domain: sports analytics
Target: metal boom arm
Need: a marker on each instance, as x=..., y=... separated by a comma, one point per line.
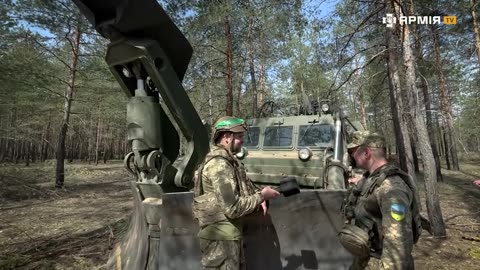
x=148, y=56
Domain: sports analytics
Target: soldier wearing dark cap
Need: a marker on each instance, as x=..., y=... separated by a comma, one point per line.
x=223, y=195
x=384, y=219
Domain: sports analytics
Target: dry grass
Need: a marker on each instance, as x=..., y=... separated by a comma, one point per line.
x=72, y=228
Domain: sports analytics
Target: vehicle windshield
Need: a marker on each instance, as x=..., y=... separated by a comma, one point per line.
x=278, y=136
x=315, y=135
x=251, y=137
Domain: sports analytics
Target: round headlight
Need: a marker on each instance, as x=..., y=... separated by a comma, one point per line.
x=304, y=154
x=242, y=154
x=325, y=107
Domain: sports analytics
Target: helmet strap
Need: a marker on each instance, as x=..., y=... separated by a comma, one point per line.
x=230, y=143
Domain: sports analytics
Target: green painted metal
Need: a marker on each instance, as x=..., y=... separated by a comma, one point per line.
x=267, y=164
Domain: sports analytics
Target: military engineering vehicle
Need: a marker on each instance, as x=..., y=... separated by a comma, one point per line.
x=148, y=56
x=297, y=145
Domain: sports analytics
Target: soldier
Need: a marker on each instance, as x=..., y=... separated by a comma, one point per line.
x=223, y=196
x=384, y=220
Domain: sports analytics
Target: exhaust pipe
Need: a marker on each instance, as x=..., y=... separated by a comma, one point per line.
x=337, y=152
x=335, y=169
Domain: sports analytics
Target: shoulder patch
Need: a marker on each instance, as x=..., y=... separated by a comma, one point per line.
x=397, y=211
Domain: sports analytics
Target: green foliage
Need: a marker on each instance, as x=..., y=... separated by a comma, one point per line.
x=34, y=77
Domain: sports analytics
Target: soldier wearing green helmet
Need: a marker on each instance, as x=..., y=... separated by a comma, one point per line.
x=223, y=196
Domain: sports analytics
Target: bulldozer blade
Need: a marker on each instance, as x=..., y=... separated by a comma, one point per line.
x=298, y=232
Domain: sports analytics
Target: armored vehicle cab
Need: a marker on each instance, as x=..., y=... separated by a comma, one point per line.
x=303, y=146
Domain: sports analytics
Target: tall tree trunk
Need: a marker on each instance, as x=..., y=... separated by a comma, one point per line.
x=229, y=69
x=8, y=154
x=28, y=153
x=81, y=149
x=430, y=127
x=60, y=153
x=445, y=103
x=13, y=125
x=90, y=140
x=238, y=111
x=375, y=118
x=363, y=109
x=439, y=137
x=430, y=175
x=251, y=65
x=414, y=154
x=254, y=87
x=476, y=27
x=446, y=146
x=428, y=107
x=262, y=79
x=3, y=149
x=33, y=154
x=70, y=150
x=120, y=145
x=105, y=145
x=16, y=155
x=262, y=73
x=210, y=101
x=3, y=139
x=97, y=141
x=396, y=101
x=46, y=139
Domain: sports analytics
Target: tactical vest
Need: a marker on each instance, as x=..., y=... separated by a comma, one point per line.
x=206, y=208
x=370, y=236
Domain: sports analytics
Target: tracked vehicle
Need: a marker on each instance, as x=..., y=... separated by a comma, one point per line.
x=148, y=56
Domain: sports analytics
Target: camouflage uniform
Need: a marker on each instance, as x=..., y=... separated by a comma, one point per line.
x=223, y=195
x=387, y=209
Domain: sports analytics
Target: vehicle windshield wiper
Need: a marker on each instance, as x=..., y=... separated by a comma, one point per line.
x=305, y=133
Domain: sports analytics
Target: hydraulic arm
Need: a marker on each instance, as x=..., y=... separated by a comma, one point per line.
x=148, y=56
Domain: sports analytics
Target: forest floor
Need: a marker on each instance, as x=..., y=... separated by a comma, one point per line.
x=74, y=228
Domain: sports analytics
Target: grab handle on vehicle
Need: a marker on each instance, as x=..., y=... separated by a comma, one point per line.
x=288, y=186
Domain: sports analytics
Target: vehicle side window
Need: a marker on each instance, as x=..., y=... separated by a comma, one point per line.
x=278, y=136
x=251, y=137
x=315, y=135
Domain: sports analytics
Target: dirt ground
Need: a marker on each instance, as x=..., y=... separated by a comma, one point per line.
x=75, y=228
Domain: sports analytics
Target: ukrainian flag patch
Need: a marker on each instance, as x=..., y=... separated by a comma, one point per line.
x=397, y=211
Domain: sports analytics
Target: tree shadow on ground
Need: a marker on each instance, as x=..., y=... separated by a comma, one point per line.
x=17, y=189
x=460, y=202
x=44, y=252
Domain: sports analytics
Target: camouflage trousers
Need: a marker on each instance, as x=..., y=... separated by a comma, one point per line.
x=222, y=255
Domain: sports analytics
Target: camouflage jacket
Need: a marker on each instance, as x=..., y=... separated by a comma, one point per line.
x=223, y=195
x=386, y=210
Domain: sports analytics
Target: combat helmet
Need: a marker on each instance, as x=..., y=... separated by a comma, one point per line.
x=228, y=123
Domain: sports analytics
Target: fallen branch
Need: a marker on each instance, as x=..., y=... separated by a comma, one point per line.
x=461, y=215
x=27, y=186
x=25, y=205
x=84, y=254
x=476, y=239
x=465, y=225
